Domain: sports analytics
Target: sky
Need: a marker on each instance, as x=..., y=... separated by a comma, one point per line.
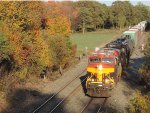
x=109, y=2
x=134, y=2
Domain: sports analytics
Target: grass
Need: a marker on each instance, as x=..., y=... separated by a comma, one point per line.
x=92, y=39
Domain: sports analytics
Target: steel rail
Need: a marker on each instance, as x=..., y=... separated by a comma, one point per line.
x=86, y=105
x=101, y=106
x=68, y=95
x=51, y=97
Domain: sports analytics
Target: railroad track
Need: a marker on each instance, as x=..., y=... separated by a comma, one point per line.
x=64, y=99
x=101, y=106
x=95, y=108
x=37, y=109
x=86, y=105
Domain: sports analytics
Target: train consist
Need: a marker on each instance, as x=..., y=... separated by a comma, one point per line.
x=106, y=65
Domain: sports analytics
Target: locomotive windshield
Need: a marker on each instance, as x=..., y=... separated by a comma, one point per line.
x=107, y=60
x=95, y=60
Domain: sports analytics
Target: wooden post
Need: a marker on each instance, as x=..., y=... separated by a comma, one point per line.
x=60, y=70
x=83, y=27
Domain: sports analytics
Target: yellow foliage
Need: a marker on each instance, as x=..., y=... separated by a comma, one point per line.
x=14, y=39
x=57, y=22
x=139, y=103
x=41, y=51
x=21, y=24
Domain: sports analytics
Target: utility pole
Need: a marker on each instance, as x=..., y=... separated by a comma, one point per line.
x=83, y=27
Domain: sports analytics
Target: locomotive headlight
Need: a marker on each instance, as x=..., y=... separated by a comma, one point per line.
x=106, y=80
x=92, y=80
x=100, y=67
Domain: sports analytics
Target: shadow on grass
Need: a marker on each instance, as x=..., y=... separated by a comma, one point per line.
x=25, y=101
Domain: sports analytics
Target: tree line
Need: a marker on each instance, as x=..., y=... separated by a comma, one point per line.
x=92, y=15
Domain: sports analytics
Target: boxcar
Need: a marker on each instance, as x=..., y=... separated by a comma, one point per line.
x=133, y=35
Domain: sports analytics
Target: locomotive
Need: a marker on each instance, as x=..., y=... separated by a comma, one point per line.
x=105, y=66
x=104, y=71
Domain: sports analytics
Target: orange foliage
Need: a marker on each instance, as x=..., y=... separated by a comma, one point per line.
x=28, y=26
x=57, y=22
x=14, y=39
x=21, y=22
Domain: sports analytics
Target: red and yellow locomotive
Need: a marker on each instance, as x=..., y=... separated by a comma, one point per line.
x=104, y=70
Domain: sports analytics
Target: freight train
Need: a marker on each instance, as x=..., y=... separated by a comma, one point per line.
x=106, y=65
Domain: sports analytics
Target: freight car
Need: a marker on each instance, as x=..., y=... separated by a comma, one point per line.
x=143, y=25
x=136, y=32
x=133, y=35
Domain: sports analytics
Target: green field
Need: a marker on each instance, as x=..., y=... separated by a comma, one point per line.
x=92, y=39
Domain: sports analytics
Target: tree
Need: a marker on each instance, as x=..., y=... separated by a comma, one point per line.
x=91, y=17
x=57, y=32
x=5, y=49
x=121, y=20
x=21, y=24
x=122, y=13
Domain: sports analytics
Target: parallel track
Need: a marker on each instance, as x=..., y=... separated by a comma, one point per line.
x=101, y=106
x=89, y=106
x=63, y=100
x=51, y=97
x=86, y=105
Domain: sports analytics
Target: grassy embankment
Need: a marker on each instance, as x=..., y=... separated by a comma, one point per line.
x=93, y=39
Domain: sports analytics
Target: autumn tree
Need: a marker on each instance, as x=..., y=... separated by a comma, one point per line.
x=4, y=47
x=57, y=32
x=21, y=24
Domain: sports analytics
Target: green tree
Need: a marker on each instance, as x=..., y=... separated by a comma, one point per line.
x=121, y=20
x=92, y=15
x=122, y=11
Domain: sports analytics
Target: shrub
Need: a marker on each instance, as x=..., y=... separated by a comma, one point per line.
x=4, y=47
x=139, y=103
